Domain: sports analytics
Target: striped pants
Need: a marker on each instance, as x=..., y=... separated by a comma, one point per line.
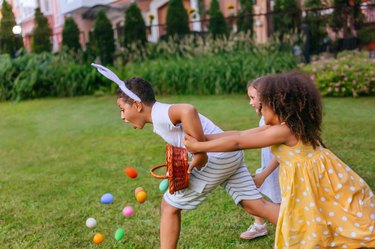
x=229, y=171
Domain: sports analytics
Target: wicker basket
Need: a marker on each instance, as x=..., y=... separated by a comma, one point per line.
x=177, y=167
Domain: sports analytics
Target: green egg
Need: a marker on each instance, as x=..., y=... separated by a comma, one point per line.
x=163, y=186
x=120, y=233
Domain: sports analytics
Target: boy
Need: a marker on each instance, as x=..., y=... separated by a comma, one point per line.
x=138, y=107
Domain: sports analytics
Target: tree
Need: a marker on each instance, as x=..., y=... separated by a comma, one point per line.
x=8, y=42
x=347, y=17
x=135, y=27
x=287, y=16
x=202, y=13
x=177, y=19
x=317, y=26
x=70, y=35
x=245, y=16
x=41, y=41
x=104, y=41
x=217, y=25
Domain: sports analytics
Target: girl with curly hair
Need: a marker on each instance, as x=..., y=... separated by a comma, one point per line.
x=324, y=202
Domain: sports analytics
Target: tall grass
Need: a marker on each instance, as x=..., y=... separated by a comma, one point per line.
x=227, y=72
x=40, y=75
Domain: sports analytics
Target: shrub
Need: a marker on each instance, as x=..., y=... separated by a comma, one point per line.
x=286, y=16
x=351, y=74
x=43, y=75
x=366, y=34
x=217, y=25
x=317, y=27
x=245, y=16
x=71, y=35
x=177, y=19
x=103, y=39
x=135, y=27
x=41, y=41
x=7, y=38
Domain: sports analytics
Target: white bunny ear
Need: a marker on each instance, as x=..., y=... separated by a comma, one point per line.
x=112, y=76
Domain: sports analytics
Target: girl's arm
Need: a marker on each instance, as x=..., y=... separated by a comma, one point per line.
x=277, y=134
x=187, y=115
x=231, y=133
x=259, y=178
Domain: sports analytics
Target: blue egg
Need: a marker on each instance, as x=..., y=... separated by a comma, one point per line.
x=163, y=186
x=107, y=198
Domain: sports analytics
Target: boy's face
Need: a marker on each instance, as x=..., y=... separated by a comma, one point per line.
x=130, y=113
x=254, y=100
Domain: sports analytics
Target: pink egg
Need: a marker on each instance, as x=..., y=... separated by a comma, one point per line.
x=128, y=211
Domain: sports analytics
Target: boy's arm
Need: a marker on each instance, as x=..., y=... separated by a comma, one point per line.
x=188, y=116
x=259, y=178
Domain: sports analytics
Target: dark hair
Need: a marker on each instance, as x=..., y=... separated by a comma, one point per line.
x=142, y=88
x=294, y=98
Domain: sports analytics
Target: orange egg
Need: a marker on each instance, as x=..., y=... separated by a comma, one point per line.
x=98, y=238
x=137, y=190
x=131, y=172
x=141, y=197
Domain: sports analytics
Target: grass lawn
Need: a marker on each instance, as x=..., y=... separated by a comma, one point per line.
x=59, y=156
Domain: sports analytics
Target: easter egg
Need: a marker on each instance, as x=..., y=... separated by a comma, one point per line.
x=141, y=197
x=131, y=172
x=119, y=234
x=163, y=186
x=107, y=198
x=137, y=190
x=128, y=211
x=90, y=222
x=98, y=238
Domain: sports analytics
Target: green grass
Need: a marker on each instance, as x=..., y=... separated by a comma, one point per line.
x=58, y=156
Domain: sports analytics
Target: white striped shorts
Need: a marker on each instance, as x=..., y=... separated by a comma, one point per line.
x=229, y=171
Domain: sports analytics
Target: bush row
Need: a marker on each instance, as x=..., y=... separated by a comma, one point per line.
x=227, y=72
x=41, y=75
x=351, y=74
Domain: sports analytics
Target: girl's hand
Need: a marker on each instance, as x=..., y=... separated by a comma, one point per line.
x=258, y=179
x=189, y=142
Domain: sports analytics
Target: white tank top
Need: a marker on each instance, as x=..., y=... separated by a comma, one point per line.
x=174, y=134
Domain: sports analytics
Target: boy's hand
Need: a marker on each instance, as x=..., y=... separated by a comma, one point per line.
x=258, y=179
x=199, y=161
x=189, y=142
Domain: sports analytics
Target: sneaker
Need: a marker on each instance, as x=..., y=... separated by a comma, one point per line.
x=254, y=231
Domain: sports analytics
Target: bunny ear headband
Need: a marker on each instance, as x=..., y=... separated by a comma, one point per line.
x=112, y=76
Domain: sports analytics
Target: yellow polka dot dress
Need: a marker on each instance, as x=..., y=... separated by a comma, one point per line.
x=325, y=204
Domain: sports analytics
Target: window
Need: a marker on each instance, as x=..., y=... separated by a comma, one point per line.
x=47, y=7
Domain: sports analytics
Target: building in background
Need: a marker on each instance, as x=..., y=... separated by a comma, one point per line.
x=85, y=11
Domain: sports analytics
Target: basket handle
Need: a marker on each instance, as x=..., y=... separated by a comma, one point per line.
x=158, y=176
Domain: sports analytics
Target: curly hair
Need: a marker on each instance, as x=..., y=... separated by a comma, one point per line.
x=294, y=98
x=141, y=87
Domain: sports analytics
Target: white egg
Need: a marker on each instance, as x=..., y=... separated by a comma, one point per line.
x=90, y=222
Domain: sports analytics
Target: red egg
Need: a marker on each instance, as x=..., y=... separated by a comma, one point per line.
x=131, y=172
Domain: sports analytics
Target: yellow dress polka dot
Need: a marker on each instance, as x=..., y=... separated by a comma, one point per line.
x=325, y=204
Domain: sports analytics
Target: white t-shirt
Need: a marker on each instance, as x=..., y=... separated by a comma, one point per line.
x=174, y=134
x=271, y=185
